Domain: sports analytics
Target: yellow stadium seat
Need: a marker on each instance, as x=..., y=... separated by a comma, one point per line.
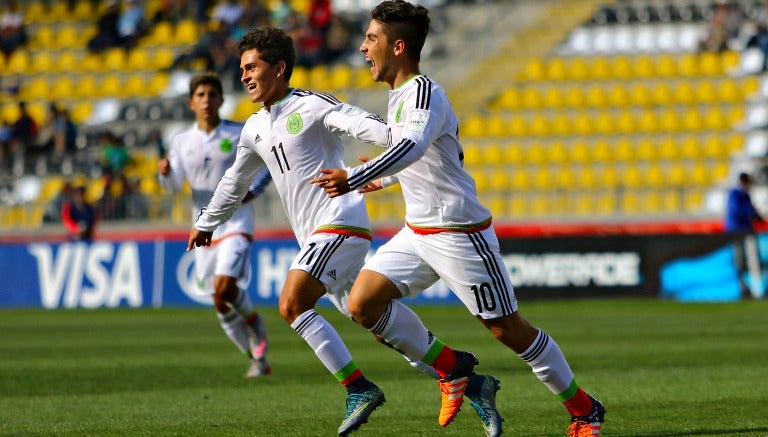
x=574, y=96
x=69, y=37
x=622, y=68
x=601, y=151
x=87, y=87
x=67, y=62
x=579, y=152
x=157, y=83
x=534, y=70
x=618, y=95
x=663, y=94
x=363, y=78
x=138, y=59
x=161, y=58
x=624, y=150
x=640, y=95
x=19, y=62
x=643, y=67
x=114, y=59
x=728, y=91
x=42, y=38
x=496, y=126
x=578, y=69
x=473, y=156
x=84, y=11
x=162, y=34
x=473, y=127
x=707, y=93
x=669, y=120
x=81, y=112
x=688, y=65
x=135, y=85
x=600, y=69
x=539, y=125
x=666, y=66
x=52, y=186
x=111, y=85
x=186, y=32
x=685, y=93
x=63, y=88
x=536, y=153
x=91, y=63
x=595, y=96
x=500, y=180
x=583, y=124
x=557, y=69
x=715, y=119
x=492, y=155
x=692, y=120
x=709, y=64
x=341, y=77
x=35, y=12
x=513, y=154
x=319, y=77
x=645, y=149
x=552, y=97
x=35, y=88
x=530, y=98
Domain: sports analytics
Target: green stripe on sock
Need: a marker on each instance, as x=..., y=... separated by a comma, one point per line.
x=569, y=393
x=433, y=352
x=345, y=371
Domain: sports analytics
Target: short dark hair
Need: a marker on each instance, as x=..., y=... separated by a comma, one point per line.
x=404, y=21
x=273, y=44
x=207, y=78
x=745, y=178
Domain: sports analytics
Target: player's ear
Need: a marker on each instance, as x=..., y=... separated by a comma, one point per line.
x=280, y=66
x=399, y=47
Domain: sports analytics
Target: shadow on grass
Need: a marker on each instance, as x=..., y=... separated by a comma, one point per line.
x=707, y=432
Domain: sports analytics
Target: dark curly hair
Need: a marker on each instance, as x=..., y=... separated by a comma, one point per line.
x=207, y=78
x=273, y=44
x=404, y=21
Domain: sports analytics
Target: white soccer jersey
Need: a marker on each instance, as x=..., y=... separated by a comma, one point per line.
x=295, y=139
x=201, y=159
x=425, y=156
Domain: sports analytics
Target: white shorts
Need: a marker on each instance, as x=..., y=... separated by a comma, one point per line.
x=470, y=264
x=229, y=256
x=335, y=260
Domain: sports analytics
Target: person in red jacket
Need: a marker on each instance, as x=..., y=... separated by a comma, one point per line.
x=79, y=216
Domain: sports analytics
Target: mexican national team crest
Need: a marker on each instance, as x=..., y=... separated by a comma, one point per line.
x=294, y=124
x=226, y=145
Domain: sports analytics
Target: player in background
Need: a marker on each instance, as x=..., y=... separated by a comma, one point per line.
x=201, y=154
x=296, y=133
x=448, y=233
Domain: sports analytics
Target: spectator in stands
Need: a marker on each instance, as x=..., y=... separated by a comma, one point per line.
x=53, y=210
x=319, y=23
x=13, y=32
x=136, y=204
x=79, y=216
x=6, y=133
x=255, y=13
x=107, y=33
x=227, y=12
x=25, y=130
x=337, y=44
x=114, y=156
x=281, y=15
x=740, y=219
x=216, y=50
x=131, y=24
x=741, y=214
x=724, y=27
x=171, y=11
x=64, y=134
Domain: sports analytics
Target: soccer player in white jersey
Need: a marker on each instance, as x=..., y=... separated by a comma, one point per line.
x=200, y=154
x=295, y=134
x=448, y=233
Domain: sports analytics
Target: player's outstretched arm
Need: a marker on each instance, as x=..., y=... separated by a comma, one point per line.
x=333, y=181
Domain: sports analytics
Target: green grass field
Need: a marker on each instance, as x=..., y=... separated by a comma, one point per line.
x=660, y=368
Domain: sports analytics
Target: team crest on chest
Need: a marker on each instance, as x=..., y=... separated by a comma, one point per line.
x=225, y=145
x=294, y=123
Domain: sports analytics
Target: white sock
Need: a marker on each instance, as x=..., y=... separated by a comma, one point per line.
x=422, y=366
x=236, y=329
x=243, y=304
x=324, y=340
x=403, y=329
x=548, y=363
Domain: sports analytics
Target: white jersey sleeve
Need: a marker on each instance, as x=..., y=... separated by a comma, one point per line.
x=357, y=123
x=173, y=182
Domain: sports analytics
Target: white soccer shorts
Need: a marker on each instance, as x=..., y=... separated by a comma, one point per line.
x=470, y=264
x=335, y=260
x=229, y=256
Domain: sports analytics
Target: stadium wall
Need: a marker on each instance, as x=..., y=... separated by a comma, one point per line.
x=124, y=268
